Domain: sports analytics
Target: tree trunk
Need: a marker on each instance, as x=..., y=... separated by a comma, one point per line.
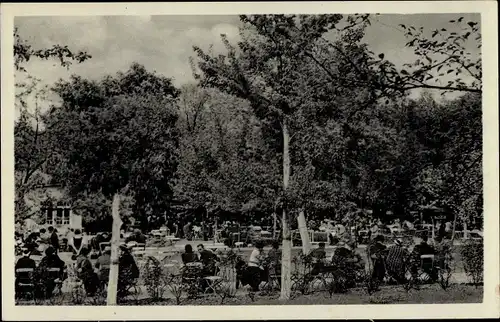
x=433, y=234
x=454, y=228
x=274, y=224
x=115, y=244
x=215, y=231
x=304, y=234
x=286, y=259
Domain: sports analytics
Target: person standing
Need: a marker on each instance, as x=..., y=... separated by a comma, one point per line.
x=448, y=229
x=54, y=238
x=187, y=231
x=76, y=243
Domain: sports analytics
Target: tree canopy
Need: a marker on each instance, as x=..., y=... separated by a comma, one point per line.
x=356, y=138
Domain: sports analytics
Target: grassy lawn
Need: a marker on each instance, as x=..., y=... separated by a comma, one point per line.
x=431, y=294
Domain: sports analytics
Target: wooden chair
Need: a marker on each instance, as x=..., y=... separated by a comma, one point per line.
x=25, y=282
x=55, y=274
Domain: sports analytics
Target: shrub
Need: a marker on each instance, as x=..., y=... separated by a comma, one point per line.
x=176, y=286
x=226, y=288
x=154, y=278
x=77, y=294
x=472, y=253
x=445, y=266
x=301, y=276
x=345, y=273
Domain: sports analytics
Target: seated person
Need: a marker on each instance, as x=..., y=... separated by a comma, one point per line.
x=31, y=242
x=85, y=272
x=137, y=236
x=208, y=259
x=188, y=256
x=318, y=255
x=95, y=241
x=274, y=259
x=343, y=252
x=255, y=269
x=128, y=271
x=424, y=248
x=346, y=262
x=49, y=279
x=377, y=251
x=102, y=265
x=26, y=278
x=396, y=256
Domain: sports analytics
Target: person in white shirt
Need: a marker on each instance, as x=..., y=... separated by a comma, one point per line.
x=255, y=268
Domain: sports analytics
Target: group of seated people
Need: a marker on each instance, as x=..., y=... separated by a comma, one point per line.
x=344, y=260
x=396, y=260
x=259, y=266
x=41, y=280
x=205, y=257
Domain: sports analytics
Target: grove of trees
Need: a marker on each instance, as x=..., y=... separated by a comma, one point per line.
x=299, y=116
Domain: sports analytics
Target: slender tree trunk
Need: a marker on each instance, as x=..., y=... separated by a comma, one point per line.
x=274, y=224
x=304, y=234
x=215, y=231
x=115, y=244
x=454, y=228
x=286, y=259
x=433, y=234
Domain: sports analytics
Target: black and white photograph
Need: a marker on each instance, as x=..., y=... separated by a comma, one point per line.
x=250, y=159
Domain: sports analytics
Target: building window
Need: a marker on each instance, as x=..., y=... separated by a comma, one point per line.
x=49, y=218
x=65, y=220
x=59, y=216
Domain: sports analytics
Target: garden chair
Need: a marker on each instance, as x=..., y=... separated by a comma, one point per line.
x=191, y=277
x=103, y=277
x=427, y=268
x=54, y=273
x=212, y=283
x=25, y=283
x=273, y=278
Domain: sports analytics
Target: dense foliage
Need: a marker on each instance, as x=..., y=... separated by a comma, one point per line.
x=357, y=140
